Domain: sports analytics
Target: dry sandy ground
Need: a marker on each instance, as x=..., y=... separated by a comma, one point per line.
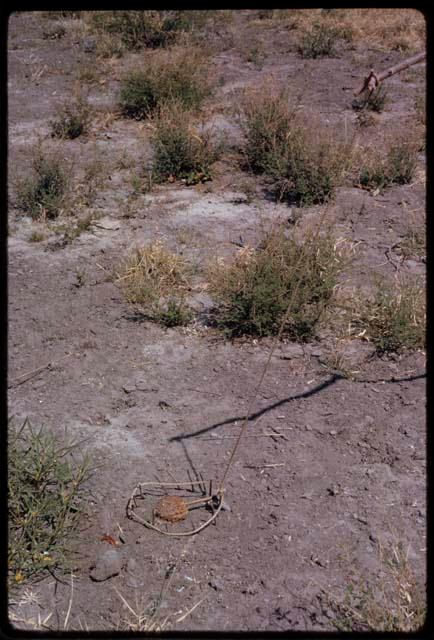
x=310, y=506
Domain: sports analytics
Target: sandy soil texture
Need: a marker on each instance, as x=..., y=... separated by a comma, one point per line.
x=331, y=470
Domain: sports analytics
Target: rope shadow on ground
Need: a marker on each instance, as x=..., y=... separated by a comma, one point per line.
x=305, y=394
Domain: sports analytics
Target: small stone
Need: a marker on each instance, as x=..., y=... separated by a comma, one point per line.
x=216, y=583
x=225, y=506
x=107, y=223
x=372, y=537
x=129, y=388
x=107, y=564
x=333, y=432
x=88, y=44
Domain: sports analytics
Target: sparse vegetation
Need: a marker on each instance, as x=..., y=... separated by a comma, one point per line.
x=37, y=236
x=420, y=108
x=380, y=28
x=397, y=166
x=394, y=317
x=176, y=75
x=156, y=280
x=54, y=33
x=365, y=119
x=374, y=101
x=180, y=150
x=254, y=290
x=318, y=42
x=151, y=341
x=413, y=244
x=72, y=120
x=45, y=500
x=43, y=194
x=137, y=29
x=74, y=230
x=304, y=163
x=394, y=603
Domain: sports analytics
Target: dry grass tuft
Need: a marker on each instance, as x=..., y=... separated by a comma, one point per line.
x=397, y=165
x=398, y=29
x=156, y=281
x=395, y=603
x=393, y=318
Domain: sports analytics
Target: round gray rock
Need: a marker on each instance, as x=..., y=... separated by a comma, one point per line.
x=107, y=564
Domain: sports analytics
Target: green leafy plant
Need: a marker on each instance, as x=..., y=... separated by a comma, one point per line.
x=319, y=41
x=43, y=194
x=45, y=498
x=180, y=151
x=138, y=29
x=396, y=166
x=72, y=119
x=174, y=313
x=304, y=163
x=254, y=290
x=179, y=75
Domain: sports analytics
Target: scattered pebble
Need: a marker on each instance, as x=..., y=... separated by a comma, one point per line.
x=217, y=584
x=129, y=388
x=107, y=564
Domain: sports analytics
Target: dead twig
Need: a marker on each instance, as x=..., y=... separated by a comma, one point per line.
x=210, y=393
x=31, y=374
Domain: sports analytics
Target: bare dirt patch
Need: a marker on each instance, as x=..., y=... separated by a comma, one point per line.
x=331, y=471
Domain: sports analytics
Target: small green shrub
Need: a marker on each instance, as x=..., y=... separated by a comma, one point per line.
x=174, y=313
x=73, y=230
x=138, y=29
x=72, y=119
x=44, y=499
x=304, y=162
x=179, y=150
x=139, y=95
x=402, y=161
x=394, y=318
x=37, y=236
x=319, y=41
x=254, y=291
x=43, y=194
x=179, y=75
x=397, y=166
